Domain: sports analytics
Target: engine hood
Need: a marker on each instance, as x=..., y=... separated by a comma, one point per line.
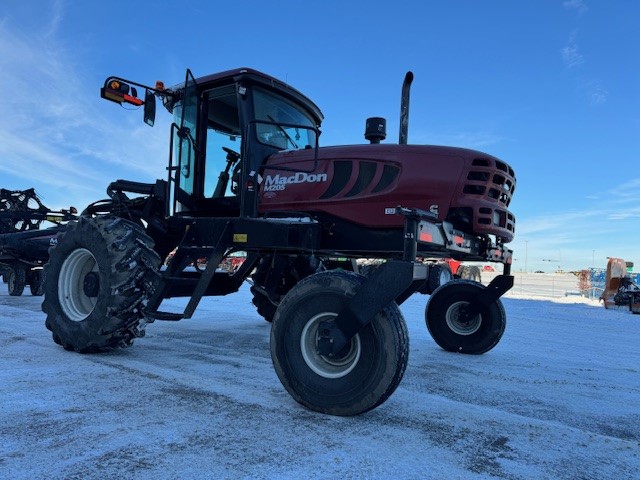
x=364, y=183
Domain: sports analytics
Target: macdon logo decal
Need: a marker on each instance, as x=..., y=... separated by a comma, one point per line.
x=280, y=182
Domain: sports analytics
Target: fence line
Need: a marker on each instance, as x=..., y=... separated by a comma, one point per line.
x=553, y=285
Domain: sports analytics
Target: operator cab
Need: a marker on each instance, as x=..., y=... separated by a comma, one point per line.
x=225, y=127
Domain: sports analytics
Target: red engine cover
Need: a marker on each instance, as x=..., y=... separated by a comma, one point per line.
x=364, y=183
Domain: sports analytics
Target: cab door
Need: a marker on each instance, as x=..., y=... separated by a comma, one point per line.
x=185, y=147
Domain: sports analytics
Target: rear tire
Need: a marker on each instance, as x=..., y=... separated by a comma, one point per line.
x=368, y=371
x=99, y=277
x=477, y=336
x=296, y=269
x=265, y=307
x=17, y=281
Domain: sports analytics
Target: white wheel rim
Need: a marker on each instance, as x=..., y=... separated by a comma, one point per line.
x=75, y=303
x=322, y=365
x=462, y=328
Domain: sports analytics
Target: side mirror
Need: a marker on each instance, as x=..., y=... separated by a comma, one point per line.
x=149, y=107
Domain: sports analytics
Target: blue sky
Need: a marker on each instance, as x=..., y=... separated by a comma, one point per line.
x=550, y=86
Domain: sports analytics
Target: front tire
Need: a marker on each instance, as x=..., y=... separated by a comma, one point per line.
x=99, y=277
x=366, y=372
x=479, y=335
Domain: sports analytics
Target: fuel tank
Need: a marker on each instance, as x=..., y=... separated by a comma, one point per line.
x=364, y=183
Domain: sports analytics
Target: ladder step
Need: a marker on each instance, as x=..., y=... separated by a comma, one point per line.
x=168, y=316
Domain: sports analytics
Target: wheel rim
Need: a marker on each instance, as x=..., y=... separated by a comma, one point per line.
x=454, y=323
x=445, y=277
x=75, y=303
x=322, y=365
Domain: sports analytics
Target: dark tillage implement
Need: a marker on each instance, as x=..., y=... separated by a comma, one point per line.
x=246, y=175
x=24, y=246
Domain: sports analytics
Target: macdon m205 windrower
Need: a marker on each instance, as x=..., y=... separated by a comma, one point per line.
x=246, y=173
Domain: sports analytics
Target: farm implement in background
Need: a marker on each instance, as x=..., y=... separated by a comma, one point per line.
x=24, y=246
x=621, y=290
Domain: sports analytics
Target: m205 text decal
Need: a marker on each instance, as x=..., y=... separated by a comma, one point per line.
x=280, y=182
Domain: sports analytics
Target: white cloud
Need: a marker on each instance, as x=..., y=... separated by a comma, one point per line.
x=578, y=5
x=55, y=132
x=601, y=225
x=591, y=88
x=625, y=214
x=570, y=54
x=595, y=92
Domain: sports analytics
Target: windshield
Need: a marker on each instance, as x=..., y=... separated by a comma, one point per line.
x=281, y=123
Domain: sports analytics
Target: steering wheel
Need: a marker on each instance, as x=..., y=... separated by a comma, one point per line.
x=232, y=155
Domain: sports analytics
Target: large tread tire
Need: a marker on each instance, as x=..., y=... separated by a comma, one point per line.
x=365, y=376
x=265, y=307
x=99, y=277
x=479, y=335
x=36, y=284
x=17, y=281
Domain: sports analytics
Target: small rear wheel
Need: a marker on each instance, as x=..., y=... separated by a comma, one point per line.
x=363, y=375
x=478, y=335
x=439, y=274
x=36, y=284
x=17, y=281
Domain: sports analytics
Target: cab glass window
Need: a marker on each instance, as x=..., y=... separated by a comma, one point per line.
x=223, y=134
x=281, y=123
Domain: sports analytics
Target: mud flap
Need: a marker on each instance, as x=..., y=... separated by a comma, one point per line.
x=498, y=287
x=393, y=280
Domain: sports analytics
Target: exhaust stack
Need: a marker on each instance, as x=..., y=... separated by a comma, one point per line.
x=404, y=108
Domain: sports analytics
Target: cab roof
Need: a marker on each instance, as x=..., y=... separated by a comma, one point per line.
x=249, y=75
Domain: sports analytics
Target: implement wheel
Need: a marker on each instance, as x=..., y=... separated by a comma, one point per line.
x=17, y=281
x=359, y=378
x=99, y=277
x=36, y=283
x=478, y=335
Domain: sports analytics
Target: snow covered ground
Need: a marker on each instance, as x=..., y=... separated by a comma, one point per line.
x=558, y=398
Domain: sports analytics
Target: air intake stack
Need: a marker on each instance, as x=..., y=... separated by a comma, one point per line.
x=375, y=130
